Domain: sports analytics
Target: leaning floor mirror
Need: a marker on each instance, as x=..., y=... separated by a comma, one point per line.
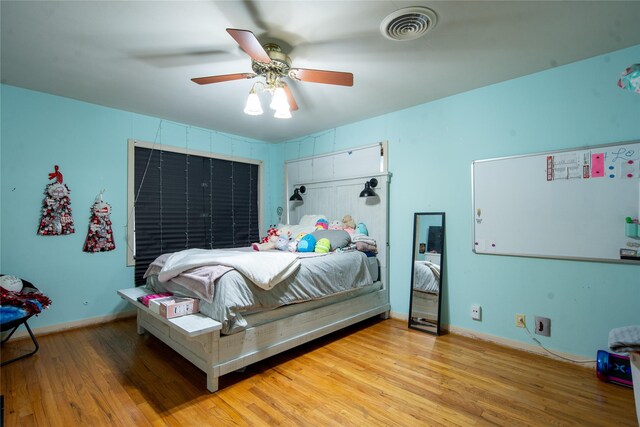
x=427, y=272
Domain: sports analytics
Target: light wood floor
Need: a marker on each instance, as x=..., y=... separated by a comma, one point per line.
x=376, y=373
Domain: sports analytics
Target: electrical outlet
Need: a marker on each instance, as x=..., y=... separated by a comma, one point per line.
x=543, y=326
x=520, y=320
x=476, y=312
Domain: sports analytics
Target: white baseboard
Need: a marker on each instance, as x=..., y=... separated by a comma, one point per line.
x=518, y=345
x=399, y=316
x=45, y=330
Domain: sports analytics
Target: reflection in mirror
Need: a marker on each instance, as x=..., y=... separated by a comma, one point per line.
x=427, y=271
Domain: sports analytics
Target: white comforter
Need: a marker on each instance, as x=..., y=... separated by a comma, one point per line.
x=426, y=276
x=265, y=268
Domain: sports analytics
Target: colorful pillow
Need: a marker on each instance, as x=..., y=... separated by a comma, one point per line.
x=310, y=220
x=307, y=243
x=322, y=224
x=336, y=225
x=323, y=246
x=362, y=229
x=337, y=238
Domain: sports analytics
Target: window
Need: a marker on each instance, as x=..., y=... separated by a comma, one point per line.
x=188, y=200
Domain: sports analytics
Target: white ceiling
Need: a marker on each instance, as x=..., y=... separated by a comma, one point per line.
x=139, y=56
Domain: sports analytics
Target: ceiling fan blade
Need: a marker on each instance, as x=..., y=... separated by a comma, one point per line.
x=250, y=44
x=293, y=105
x=223, y=78
x=321, y=76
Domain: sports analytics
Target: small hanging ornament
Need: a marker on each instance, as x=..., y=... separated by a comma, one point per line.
x=630, y=79
x=100, y=235
x=56, y=213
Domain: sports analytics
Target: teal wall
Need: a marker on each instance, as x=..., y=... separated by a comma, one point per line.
x=89, y=143
x=431, y=150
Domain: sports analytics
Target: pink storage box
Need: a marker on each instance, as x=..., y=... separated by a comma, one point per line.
x=176, y=307
x=146, y=298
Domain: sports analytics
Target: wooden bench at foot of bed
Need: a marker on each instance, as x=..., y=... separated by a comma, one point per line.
x=197, y=337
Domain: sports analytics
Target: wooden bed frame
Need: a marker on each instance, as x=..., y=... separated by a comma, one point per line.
x=197, y=337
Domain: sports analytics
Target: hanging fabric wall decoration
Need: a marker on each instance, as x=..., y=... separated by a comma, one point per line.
x=56, y=213
x=630, y=79
x=100, y=235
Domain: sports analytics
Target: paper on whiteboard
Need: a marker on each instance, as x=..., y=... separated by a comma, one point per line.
x=566, y=166
x=573, y=165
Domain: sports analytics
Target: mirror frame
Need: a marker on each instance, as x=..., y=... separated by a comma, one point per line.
x=414, y=325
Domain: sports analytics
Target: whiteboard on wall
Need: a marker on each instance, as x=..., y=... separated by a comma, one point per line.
x=562, y=204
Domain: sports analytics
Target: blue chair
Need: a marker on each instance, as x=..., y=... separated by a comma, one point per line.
x=13, y=325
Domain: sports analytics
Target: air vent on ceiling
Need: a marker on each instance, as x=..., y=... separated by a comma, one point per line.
x=408, y=23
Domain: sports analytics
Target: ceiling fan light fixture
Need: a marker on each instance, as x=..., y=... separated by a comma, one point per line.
x=409, y=23
x=283, y=113
x=271, y=63
x=253, y=107
x=279, y=99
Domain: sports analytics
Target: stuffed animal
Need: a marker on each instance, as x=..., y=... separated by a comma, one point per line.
x=282, y=243
x=362, y=229
x=268, y=242
x=335, y=225
x=348, y=224
x=292, y=246
x=322, y=224
x=323, y=246
x=307, y=243
x=293, y=243
x=271, y=231
x=285, y=230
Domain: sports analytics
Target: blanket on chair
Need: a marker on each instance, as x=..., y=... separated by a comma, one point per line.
x=16, y=305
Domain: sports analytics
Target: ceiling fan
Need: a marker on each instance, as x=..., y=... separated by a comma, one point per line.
x=269, y=61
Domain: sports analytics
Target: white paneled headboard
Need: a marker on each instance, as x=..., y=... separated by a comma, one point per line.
x=333, y=183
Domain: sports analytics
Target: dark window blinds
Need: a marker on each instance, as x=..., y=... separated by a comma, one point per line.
x=186, y=201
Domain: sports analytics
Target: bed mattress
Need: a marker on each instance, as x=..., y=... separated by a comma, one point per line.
x=237, y=303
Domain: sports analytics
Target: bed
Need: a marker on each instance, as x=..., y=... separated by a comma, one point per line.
x=224, y=338
x=325, y=293
x=238, y=303
x=254, y=323
x=426, y=288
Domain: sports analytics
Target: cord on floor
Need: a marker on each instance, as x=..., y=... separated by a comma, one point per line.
x=551, y=352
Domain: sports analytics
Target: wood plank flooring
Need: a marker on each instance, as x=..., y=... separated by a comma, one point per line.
x=375, y=373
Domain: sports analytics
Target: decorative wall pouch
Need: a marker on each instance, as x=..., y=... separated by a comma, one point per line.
x=56, y=213
x=100, y=235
